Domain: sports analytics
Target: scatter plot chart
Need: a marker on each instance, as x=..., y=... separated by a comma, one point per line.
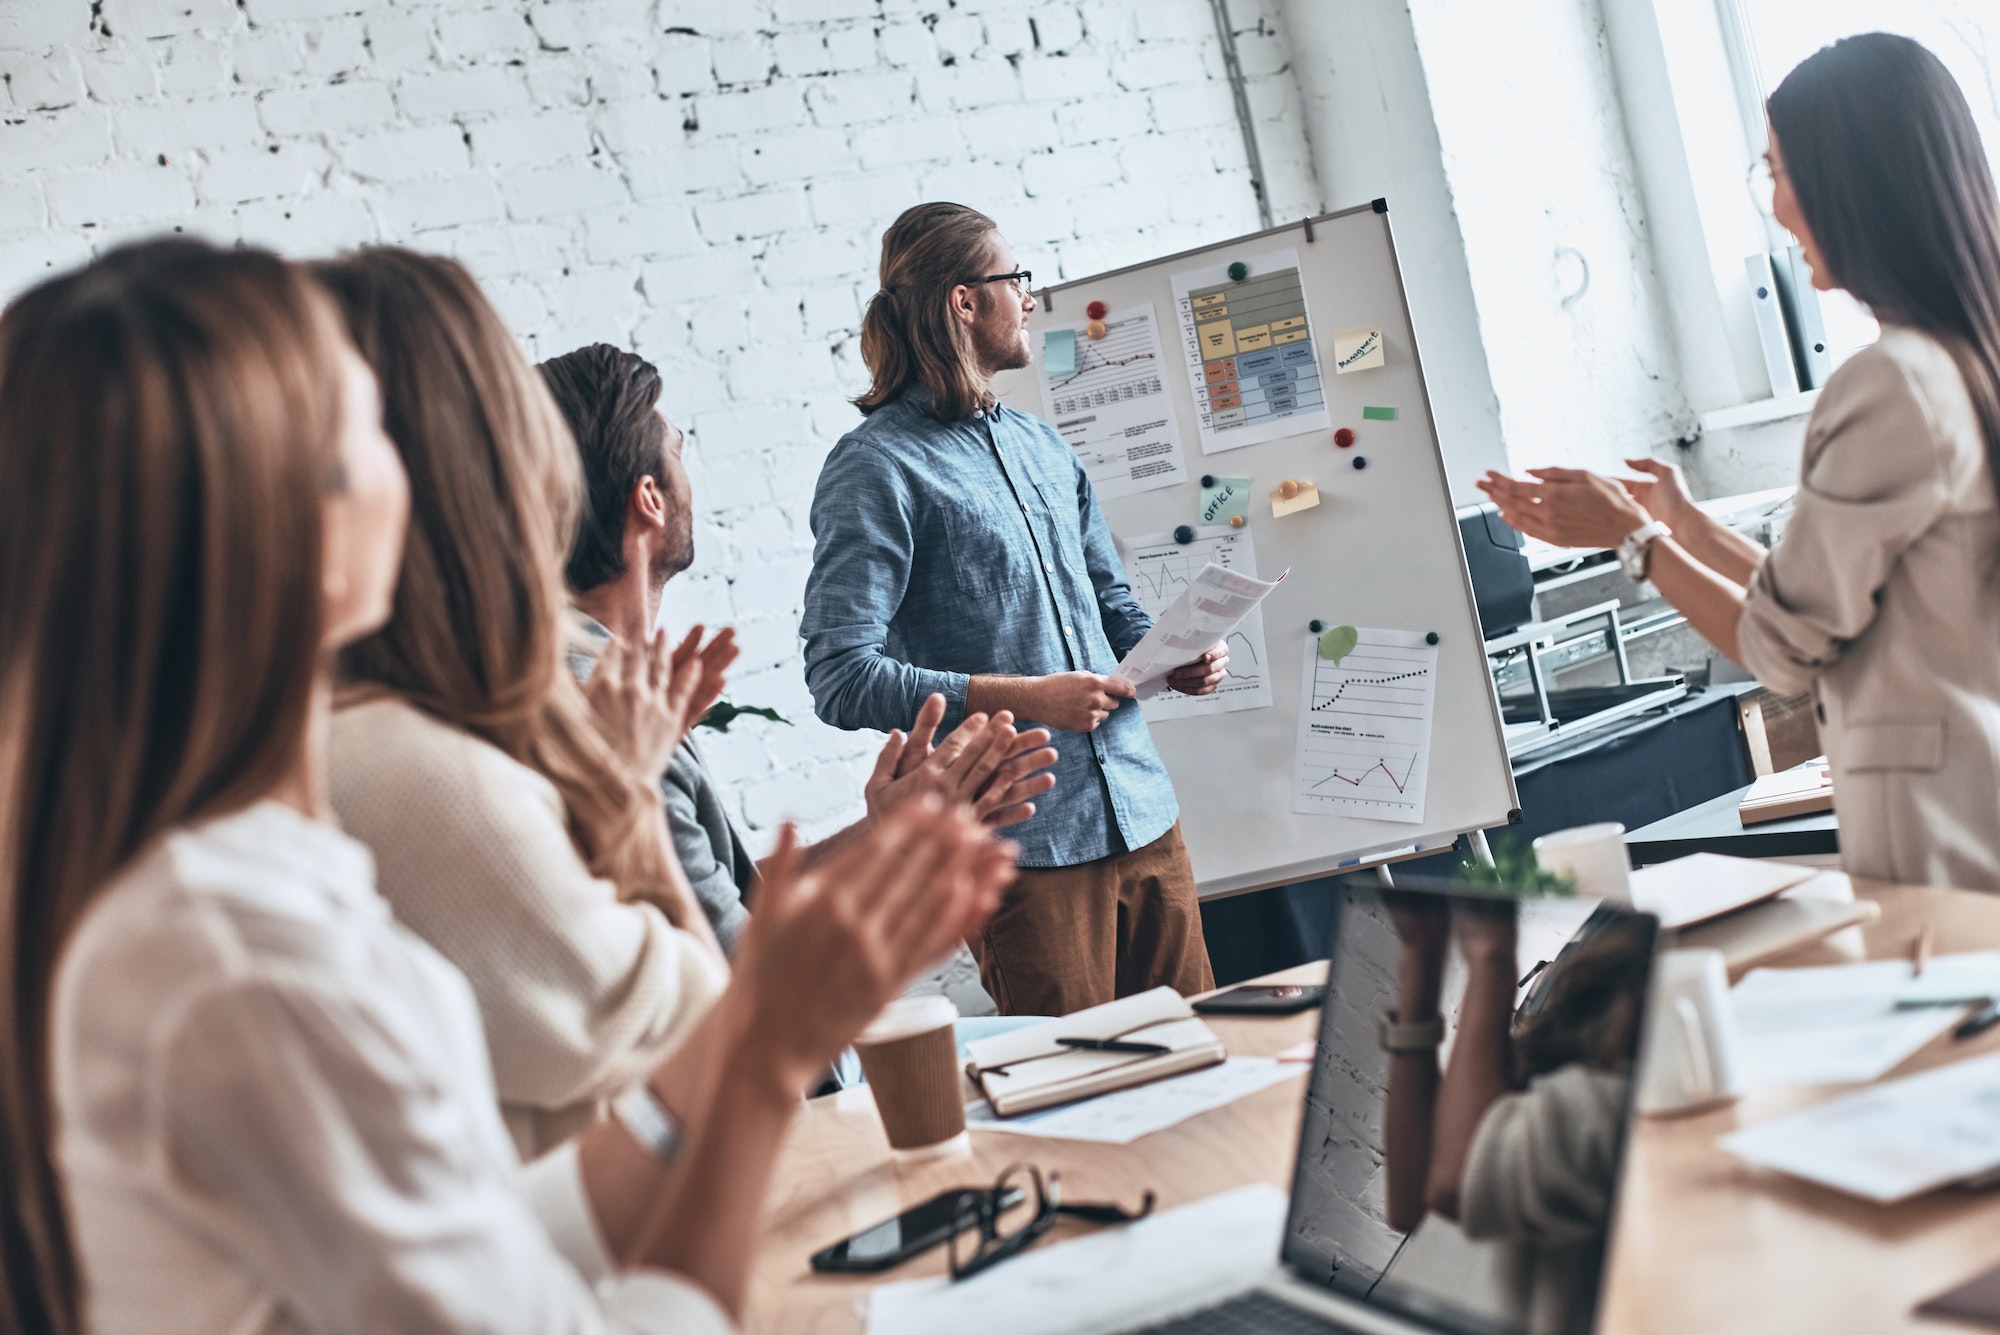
x=1249, y=347
x=1158, y=568
x=1364, y=730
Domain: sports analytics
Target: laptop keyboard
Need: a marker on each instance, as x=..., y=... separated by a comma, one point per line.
x=1255, y=1313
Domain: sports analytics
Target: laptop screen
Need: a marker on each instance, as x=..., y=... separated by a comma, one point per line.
x=1469, y=1184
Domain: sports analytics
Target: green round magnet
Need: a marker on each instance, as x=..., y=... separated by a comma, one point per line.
x=1338, y=643
x=1238, y=271
x=1431, y=638
x=1315, y=626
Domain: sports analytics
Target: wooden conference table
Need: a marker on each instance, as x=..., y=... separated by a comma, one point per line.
x=1703, y=1242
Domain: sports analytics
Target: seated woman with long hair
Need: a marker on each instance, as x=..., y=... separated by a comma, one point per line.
x=515, y=820
x=238, y=1095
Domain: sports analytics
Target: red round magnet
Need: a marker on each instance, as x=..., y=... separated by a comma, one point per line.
x=1344, y=437
x=1097, y=310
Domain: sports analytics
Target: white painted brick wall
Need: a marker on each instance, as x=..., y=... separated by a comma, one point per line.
x=705, y=182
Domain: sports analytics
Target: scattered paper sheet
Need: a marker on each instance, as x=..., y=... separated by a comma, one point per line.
x=1357, y=349
x=1249, y=351
x=1892, y=1141
x=1108, y=401
x=1224, y=499
x=1953, y=980
x=1158, y=568
x=1830, y=1025
x=1214, y=603
x=1364, y=728
x=1112, y=1279
x=1121, y=1117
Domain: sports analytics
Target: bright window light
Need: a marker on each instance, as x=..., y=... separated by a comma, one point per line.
x=1965, y=35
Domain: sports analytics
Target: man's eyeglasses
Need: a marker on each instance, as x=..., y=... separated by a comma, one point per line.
x=981, y=1211
x=1022, y=279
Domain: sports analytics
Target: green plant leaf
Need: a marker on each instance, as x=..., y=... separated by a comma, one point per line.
x=1516, y=871
x=722, y=713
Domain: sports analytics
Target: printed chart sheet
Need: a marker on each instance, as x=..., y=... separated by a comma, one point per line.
x=1107, y=398
x=1158, y=569
x=1249, y=350
x=1364, y=729
x=1215, y=602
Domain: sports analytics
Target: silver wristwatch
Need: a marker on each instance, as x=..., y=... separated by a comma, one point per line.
x=1632, y=551
x=647, y=1121
x=1414, y=1036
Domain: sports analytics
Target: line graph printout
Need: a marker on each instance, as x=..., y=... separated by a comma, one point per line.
x=1158, y=568
x=1112, y=409
x=1364, y=730
x=1249, y=348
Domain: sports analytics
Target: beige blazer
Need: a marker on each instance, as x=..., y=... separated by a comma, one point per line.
x=581, y=994
x=1884, y=599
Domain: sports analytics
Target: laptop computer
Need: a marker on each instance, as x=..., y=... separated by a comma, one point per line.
x=1460, y=1182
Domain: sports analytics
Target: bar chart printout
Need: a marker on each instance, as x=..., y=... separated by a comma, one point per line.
x=1249, y=349
x=1158, y=569
x=1364, y=729
x=1111, y=406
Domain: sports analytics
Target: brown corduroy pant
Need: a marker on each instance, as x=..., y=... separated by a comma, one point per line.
x=1069, y=937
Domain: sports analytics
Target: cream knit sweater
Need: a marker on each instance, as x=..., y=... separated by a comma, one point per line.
x=581, y=994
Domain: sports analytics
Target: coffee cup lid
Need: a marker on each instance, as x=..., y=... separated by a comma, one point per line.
x=909, y=1015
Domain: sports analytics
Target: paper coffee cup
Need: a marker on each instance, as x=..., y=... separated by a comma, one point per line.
x=910, y=1056
x=1593, y=856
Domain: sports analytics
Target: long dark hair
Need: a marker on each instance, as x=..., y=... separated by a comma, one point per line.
x=169, y=422
x=1887, y=168
x=908, y=335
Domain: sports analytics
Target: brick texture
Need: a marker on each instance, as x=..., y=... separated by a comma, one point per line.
x=707, y=183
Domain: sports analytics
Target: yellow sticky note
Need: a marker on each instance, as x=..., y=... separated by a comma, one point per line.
x=1357, y=349
x=1306, y=498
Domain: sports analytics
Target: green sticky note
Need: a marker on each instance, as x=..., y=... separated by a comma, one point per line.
x=1059, y=352
x=1379, y=414
x=1229, y=496
x=1338, y=643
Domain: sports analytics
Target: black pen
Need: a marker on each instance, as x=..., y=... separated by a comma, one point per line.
x=1979, y=1021
x=1111, y=1045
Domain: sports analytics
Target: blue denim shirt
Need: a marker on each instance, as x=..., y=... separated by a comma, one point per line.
x=945, y=549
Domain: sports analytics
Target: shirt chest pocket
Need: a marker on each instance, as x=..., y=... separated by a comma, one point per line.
x=1002, y=548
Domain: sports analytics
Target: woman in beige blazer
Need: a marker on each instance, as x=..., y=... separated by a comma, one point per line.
x=1884, y=596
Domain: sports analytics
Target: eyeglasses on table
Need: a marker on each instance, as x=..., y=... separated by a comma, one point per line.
x=979, y=1212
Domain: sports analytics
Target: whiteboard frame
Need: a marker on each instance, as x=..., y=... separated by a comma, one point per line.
x=1394, y=849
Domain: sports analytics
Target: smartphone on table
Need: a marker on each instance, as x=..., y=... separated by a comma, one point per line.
x=1264, y=999
x=894, y=1241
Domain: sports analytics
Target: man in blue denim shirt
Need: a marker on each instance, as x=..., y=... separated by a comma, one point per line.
x=959, y=550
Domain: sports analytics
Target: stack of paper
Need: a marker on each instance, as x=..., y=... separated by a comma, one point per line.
x=1792, y=792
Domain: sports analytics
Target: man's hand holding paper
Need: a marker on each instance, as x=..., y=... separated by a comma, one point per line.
x=1186, y=645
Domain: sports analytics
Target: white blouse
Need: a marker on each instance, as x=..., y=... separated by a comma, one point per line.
x=582, y=994
x=276, y=1113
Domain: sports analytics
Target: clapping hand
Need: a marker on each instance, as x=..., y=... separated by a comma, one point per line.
x=829, y=947
x=985, y=764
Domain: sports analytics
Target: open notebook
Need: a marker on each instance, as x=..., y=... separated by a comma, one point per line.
x=1028, y=1069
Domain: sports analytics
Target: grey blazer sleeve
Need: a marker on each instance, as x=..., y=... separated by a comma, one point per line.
x=1872, y=483
x=706, y=845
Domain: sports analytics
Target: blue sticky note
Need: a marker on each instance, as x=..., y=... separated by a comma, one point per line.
x=1059, y=352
